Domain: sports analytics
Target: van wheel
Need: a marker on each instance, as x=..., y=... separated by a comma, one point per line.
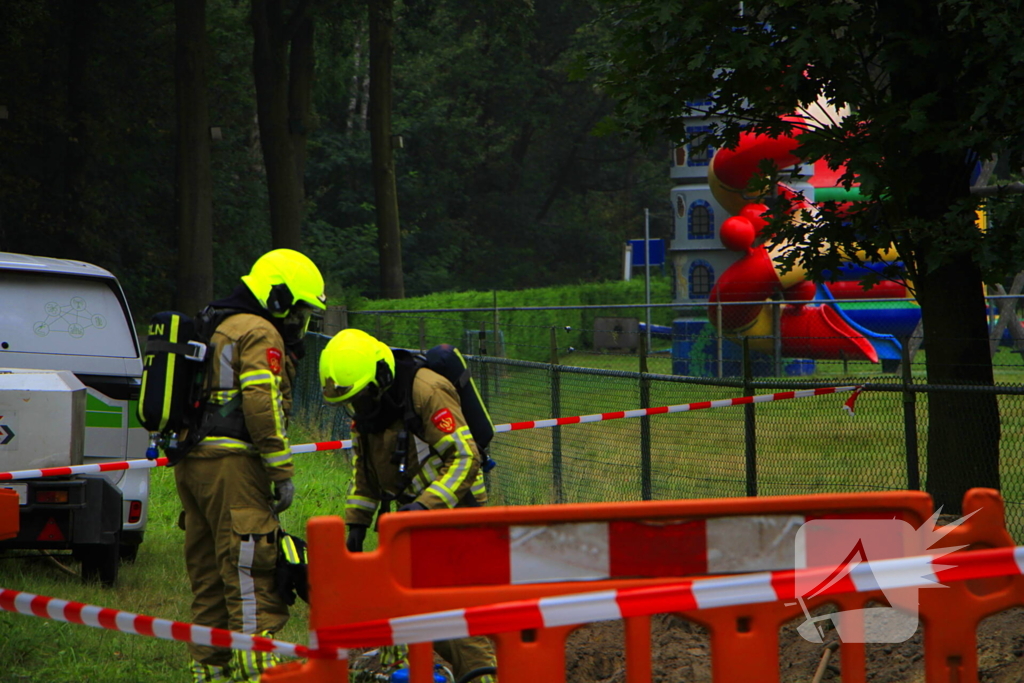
x=99, y=561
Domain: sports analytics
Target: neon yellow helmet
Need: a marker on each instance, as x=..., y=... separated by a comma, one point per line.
x=352, y=361
x=282, y=278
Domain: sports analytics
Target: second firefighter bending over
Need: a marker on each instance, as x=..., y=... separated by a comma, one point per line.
x=412, y=446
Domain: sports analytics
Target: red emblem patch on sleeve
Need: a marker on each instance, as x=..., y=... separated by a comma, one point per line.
x=274, y=360
x=444, y=420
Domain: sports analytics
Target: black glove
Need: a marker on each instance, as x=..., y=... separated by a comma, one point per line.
x=356, y=536
x=414, y=506
x=284, y=492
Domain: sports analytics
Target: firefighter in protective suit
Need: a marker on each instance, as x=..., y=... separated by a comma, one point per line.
x=238, y=478
x=436, y=468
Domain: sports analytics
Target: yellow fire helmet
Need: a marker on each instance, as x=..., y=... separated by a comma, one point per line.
x=353, y=360
x=282, y=278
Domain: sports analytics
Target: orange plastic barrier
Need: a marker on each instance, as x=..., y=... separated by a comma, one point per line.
x=745, y=640
x=419, y=567
x=9, y=523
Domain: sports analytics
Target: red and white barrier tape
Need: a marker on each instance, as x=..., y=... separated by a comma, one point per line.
x=686, y=407
x=641, y=412
x=83, y=469
x=534, y=424
x=746, y=589
x=126, y=622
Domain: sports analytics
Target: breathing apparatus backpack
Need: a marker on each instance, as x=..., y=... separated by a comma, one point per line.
x=174, y=367
x=447, y=361
x=291, y=575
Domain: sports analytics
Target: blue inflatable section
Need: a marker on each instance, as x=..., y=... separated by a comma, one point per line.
x=886, y=345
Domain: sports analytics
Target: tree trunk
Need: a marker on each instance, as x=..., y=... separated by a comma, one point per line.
x=963, y=427
x=385, y=193
x=194, y=185
x=270, y=74
x=80, y=20
x=300, y=96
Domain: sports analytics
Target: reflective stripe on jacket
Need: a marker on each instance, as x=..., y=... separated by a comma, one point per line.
x=443, y=466
x=248, y=359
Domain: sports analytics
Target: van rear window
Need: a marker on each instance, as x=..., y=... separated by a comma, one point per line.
x=62, y=315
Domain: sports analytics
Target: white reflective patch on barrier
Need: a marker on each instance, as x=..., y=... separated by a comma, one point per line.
x=751, y=543
x=559, y=552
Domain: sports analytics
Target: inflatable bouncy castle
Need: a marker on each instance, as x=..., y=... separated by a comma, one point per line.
x=721, y=260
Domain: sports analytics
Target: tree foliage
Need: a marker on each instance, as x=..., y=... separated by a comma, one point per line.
x=927, y=82
x=500, y=183
x=931, y=89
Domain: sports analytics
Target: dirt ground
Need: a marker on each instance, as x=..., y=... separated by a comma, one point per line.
x=680, y=652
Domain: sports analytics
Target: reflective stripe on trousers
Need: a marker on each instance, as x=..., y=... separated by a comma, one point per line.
x=246, y=551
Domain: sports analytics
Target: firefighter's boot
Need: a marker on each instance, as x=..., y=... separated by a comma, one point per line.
x=207, y=673
x=247, y=667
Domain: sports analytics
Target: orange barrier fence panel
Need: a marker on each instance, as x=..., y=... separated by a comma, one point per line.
x=433, y=561
x=9, y=523
x=950, y=615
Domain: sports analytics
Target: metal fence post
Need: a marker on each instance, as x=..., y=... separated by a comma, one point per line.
x=777, y=342
x=721, y=350
x=483, y=369
x=556, y=431
x=423, y=333
x=749, y=422
x=910, y=422
x=645, y=425
x=498, y=351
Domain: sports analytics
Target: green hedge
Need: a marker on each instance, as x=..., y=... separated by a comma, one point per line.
x=526, y=334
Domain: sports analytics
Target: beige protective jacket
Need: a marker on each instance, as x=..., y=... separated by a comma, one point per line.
x=249, y=359
x=443, y=466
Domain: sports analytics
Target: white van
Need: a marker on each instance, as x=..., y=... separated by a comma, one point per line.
x=68, y=315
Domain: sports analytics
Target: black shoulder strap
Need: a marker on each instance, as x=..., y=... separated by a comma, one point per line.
x=413, y=422
x=210, y=318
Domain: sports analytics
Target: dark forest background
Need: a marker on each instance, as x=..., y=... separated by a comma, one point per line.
x=501, y=181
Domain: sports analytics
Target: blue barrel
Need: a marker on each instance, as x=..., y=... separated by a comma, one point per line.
x=402, y=676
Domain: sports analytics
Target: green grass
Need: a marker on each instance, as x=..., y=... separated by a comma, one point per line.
x=46, y=651
x=804, y=446
x=1008, y=367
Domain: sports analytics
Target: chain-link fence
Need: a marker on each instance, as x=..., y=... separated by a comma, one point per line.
x=796, y=446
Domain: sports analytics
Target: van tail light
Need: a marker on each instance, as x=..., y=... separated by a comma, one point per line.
x=52, y=496
x=134, y=511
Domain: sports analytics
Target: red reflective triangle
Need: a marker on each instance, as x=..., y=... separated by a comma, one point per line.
x=51, y=532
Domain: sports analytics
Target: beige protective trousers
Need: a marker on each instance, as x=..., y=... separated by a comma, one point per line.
x=230, y=547
x=467, y=654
